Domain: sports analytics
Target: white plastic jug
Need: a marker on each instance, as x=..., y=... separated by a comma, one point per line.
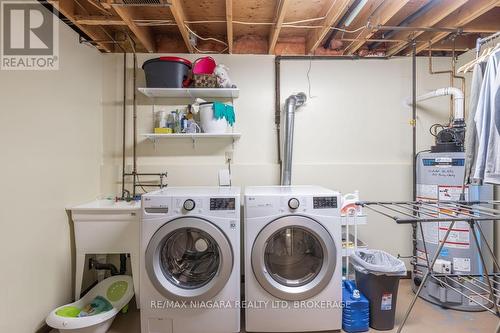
x=208, y=123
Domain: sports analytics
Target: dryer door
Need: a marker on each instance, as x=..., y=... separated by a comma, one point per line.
x=189, y=259
x=294, y=258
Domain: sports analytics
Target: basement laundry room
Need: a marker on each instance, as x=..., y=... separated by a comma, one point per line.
x=226, y=166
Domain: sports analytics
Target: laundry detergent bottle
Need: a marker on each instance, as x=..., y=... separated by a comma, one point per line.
x=356, y=311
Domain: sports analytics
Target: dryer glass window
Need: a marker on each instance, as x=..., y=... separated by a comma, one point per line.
x=293, y=256
x=190, y=258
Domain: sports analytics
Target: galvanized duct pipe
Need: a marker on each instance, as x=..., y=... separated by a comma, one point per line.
x=291, y=104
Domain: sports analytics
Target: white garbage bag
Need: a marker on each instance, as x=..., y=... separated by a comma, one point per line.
x=377, y=262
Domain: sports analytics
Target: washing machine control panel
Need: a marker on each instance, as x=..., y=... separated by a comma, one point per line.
x=189, y=205
x=222, y=203
x=325, y=202
x=270, y=205
x=293, y=203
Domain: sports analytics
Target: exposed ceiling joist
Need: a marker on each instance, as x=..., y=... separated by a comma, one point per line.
x=143, y=34
x=229, y=23
x=275, y=30
x=315, y=38
x=98, y=20
x=67, y=8
x=434, y=15
x=180, y=17
x=380, y=17
x=467, y=13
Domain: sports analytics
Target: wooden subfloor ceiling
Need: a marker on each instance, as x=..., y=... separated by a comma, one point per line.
x=283, y=27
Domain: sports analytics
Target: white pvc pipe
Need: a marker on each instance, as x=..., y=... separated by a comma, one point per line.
x=458, y=99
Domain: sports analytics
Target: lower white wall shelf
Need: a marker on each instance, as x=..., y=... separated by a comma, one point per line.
x=153, y=136
x=232, y=137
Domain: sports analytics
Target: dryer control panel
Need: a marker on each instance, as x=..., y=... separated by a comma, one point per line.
x=325, y=202
x=295, y=204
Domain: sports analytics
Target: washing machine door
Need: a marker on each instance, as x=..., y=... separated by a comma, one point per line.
x=189, y=259
x=294, y=258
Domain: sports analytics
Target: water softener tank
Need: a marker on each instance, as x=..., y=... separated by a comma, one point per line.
x=440, y=176
x=356, y=311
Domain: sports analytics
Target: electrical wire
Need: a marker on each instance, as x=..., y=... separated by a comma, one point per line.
x=205, y=38
x=284, y=25
x=362, y=31
x=309, y=78
x=433, y=130
x=140, y=183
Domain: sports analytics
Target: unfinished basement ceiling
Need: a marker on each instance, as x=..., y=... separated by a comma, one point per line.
x=282, y=27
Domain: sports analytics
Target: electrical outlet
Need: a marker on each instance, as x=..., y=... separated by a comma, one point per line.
x=229, y=156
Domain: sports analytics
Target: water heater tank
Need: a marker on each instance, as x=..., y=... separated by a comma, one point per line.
x=440, y=176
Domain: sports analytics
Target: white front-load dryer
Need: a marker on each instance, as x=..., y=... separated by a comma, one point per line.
x=293, y=266
x=190, y=267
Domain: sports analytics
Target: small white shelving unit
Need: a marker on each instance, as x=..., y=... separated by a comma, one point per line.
x=190, y=92
x=351, y=241
x=350, y=226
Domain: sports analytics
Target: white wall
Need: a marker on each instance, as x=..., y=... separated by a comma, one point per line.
x=51, y=146
x=353, y=134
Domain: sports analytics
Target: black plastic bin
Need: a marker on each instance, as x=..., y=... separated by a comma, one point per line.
x=167, y=72
x=382, y=292
x=377, y=277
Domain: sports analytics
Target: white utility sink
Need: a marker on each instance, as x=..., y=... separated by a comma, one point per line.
x=107, y=227
x=108, y=204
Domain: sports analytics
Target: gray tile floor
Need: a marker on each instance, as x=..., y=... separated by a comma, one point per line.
x=425, y=317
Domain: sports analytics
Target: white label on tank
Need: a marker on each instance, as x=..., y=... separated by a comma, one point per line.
x=427, y=192
x=386, y=302
x=461, y=264
x=459, y=237
x=451, y=193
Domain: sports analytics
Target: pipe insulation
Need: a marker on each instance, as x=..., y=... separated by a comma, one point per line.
x=292, y=103
x=458, y=100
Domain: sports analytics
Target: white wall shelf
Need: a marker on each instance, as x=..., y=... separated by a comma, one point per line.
x=153, y=136
x=190, y=92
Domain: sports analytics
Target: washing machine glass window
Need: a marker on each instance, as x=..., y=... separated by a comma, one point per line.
x=190, y=258
x=293, y=256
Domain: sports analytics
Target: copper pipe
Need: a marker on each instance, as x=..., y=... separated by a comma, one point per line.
x=450, y=72
x=461, y=78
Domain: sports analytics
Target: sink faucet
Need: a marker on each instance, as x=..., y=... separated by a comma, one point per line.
x=128, y=197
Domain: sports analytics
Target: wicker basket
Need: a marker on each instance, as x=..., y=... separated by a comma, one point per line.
x=205, y=81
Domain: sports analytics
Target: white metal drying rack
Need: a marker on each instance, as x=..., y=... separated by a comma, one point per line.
x=481, y=41
x=408, y=212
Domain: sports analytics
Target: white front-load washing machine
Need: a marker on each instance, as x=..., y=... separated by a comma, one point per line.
x=190, y=267
x=293, y=266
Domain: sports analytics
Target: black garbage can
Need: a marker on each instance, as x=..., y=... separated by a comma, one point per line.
x=382, y=292
x=377, y=277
